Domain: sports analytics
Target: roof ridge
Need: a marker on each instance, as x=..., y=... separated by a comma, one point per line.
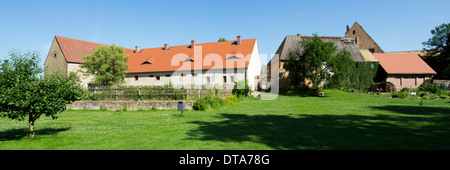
x=200, y=43
x=57, y=36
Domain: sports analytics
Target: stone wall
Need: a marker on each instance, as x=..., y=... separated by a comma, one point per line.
x=129, y=105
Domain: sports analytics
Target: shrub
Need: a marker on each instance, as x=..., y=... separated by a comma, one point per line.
x=231, y=99
x=200, y=105
x=209, y=101
x=400, y=95
x=430, y=87
x=241, y=88
x=406, y=89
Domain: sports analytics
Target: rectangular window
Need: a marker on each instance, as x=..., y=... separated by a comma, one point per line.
x=151, y=76
x=231, y=78
x=208, y=79
x=158, y=77
x=194, y=74
x=372, y=50
x=224, y=79
x=167, y=75
x=136, y=78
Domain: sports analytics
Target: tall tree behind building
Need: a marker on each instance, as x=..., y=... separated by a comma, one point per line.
x=438, y=47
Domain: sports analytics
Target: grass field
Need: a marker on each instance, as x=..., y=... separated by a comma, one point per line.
x=339, y=120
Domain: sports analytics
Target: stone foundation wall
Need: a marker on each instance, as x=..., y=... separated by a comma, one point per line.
x=129, y=105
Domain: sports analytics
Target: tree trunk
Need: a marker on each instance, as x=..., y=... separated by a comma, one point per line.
x=31, y=123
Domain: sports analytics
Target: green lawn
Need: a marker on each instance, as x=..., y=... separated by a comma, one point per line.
x=339, y=120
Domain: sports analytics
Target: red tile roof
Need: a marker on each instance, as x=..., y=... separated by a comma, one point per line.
x=74, y=49
x=213, y=55
x=403, y=63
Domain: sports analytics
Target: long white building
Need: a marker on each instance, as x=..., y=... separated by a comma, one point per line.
x=208, y=64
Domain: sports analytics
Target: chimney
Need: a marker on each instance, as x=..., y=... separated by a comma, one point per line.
x=192, y=44
x=348, y=29
x=357, y=41
x=238, y=41
x=299, y=34
x=137, y=49
x=166, y=46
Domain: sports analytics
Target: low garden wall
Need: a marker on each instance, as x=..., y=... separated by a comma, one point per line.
x=129, y=105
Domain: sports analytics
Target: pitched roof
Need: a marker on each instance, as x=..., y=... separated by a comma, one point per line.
x=403, y=63
x=74, y=49
x=362, y=33
x=211, y=55
x=291, y=43
x=368, y=56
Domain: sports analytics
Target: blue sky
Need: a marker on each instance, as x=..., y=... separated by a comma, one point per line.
x=394, y=25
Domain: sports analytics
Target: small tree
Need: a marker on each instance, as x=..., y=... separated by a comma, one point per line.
x=108, y=64
x=222, y=40
x=24, y=93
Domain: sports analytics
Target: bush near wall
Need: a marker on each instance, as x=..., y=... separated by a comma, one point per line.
x=363, y=74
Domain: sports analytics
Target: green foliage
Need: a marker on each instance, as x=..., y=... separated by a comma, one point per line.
x=341, y=67
x=439, y=39
x=200, y=105
x=362, y=74
x=26, y=94
x=429, y=87
x=108, y=64
x=241, y=88
x=406, y=89
x=315, y=64
x=401, y=95
x=222, y=40
x=231, y=99
x=214, y=102
x=438, y=56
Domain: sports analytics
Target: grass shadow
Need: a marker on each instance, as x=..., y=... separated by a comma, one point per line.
x=326, y=131
x=415, y=110
x=15, y=134
x=300, y=93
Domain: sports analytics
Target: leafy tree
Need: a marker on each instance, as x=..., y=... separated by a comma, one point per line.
x=318, y=62
x=24, y=93
x=108, y=64
x=438, y=46
x=222, y=40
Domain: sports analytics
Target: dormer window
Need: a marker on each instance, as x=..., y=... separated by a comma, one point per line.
x=188, y=60
x=234, y=57
x=146, y=63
